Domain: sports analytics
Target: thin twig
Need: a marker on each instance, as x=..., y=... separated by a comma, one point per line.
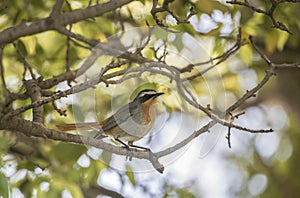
x=61, y=112
x=68, y=52
x=221, y=58
x=269, y=73
x=287, y=65
x=165, y=8
x=269, y=12
x=25, y=62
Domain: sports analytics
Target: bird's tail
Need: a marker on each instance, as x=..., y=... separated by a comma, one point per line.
x=80, y=126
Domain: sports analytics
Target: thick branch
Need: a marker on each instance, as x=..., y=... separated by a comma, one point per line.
x=34, y=91
x=60, y=20
x=38, y=130
x=2, y=75
x=67, y=76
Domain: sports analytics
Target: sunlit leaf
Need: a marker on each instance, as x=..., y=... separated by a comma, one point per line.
x=246, y=53
x=251, y=26
x=60, y=184
x=75, y=191
x=269, y=40
x=130, y=175
x=207, y=6
x=283, y=37
x=218, y=45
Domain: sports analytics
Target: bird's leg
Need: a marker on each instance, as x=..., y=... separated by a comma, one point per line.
x=127, y=148
x=124, y=144
x=130, y=144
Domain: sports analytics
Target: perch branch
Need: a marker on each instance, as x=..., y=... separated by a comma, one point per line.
x=37, y=130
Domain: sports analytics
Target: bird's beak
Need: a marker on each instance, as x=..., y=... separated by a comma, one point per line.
x=157, y=94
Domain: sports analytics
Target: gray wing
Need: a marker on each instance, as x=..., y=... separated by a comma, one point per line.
x=121, y=116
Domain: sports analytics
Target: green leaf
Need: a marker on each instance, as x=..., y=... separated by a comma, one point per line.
x=67, y=152
x=39, y=55
x=130, y=175
x=271, y=41
x=38, y=3
x=207, y=6
x=21, y=46
x=75, y=190
x=77, y=112
x=218, y=46
x=91, y=173
x=142, y=1
x=283, y=37
x=4, y=142
x=3, y=186
x=216, y=31
x=251, y=26
x=26, y=165
x=160, y=34
x=169, y=109
x=186, y=28
x=178, y=43
x=58, y=185
x=246, y=54
x=184, y=193
x=106, y=157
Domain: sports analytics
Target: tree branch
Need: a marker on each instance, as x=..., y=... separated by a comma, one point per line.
x=269, y=12
x=269, y=73
x=2, y=72
x=38, y=130
x=34, y=91
x=56, y=8
x=51, y=23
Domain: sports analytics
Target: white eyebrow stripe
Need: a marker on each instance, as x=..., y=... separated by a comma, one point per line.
x=147, y=93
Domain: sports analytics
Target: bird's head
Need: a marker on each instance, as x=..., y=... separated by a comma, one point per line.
x=147, y=95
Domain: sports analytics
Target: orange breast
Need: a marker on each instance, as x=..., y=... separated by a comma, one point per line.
x=148, y=111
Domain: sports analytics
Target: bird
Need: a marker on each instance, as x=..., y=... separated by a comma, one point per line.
x=130, y=123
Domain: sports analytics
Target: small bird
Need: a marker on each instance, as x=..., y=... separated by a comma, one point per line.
x=130, y=123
